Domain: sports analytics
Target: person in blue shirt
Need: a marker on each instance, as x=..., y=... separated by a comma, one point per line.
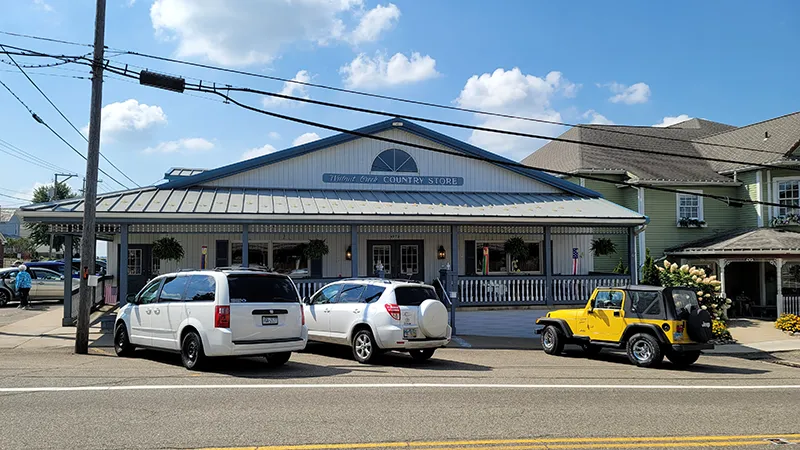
x=23, y=285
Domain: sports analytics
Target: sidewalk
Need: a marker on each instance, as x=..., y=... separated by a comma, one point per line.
x=754, y=336
x=45, y=331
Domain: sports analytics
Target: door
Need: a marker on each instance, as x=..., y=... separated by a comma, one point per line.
x=141, y=314
x=167, y=312
x=318, y=313
x=400, y=259
x=47, y=285
x=606, y=318
x=346, y=310
x=140, y=267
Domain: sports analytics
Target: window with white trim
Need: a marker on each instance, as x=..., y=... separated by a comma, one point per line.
x=501, y=263
x=690, y=206
x=788, y=193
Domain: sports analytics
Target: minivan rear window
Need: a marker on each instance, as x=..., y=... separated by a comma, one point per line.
x=252, y=288
x=413, y=295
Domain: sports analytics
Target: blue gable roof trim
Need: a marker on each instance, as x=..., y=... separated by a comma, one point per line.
x=233, y=169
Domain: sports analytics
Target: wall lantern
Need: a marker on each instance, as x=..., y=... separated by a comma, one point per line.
x=441, y=254
x=348, y=254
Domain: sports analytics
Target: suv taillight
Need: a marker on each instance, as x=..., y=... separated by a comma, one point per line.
x=393, y=310
x=222, y=316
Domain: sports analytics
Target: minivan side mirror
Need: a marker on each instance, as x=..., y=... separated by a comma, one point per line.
x=306, y=301
x=131, y=298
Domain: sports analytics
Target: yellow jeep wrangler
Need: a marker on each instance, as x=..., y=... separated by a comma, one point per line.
x=649, y=322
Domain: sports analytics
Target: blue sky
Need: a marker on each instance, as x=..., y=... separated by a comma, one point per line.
x=626, y=62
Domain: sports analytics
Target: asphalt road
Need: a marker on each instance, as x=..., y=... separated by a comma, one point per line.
x=322, y=399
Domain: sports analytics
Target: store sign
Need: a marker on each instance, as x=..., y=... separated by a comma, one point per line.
x=394, y=178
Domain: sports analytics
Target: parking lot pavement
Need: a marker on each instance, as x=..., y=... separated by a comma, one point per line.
x=10, y=314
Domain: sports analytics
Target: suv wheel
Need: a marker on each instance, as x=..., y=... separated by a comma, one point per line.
x=5, y=297
x=644, y=350
x=122, y=344
x=683, y=359
x=552, y=340
x=422, y=355
x=192, y=354
x=277, y=359
x=365, y=350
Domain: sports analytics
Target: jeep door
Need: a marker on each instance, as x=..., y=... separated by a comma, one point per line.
x=606, y=317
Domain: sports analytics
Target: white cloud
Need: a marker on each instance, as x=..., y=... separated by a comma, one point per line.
x=42, y=5
x=291, y=89
x=256, y=152
x=261, y=31
x=630, y=95
x=595, y=118
x=375, y=22
x=305, y=138
x=668, y=120
x=514, y=93
x=187, y=145
x=364, y=71
x=128, y=116
x=274, y=135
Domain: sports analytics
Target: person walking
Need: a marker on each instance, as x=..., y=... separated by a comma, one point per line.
x=23, y=285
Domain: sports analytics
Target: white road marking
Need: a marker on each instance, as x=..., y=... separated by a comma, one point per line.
x=157, y=387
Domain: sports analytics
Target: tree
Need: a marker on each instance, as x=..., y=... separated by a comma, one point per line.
x=649, y=271
x=40, y=235
x=15, y=246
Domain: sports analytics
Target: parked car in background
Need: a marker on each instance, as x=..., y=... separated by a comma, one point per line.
x=46, y=284
x=100, y=266
x=211, y=313
x=376, y=315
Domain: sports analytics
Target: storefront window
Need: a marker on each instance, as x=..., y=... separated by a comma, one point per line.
x=790, y=278
x=532, y=263
x=502, y=263
x=257, y=254
x=288, y=258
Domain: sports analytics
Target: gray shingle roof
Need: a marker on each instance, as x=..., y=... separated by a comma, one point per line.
x=6, y=214
x=572, y=157
x=761, y=240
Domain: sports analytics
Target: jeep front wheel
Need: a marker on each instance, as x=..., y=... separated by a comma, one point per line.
x=644, y=350
x=552, y=340
x=683, y=359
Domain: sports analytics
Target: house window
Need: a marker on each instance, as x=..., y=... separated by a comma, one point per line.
x=382, y=254
x=502, y=263
x=135, y=262
x=257, y=254
x=288, y=258
x=788, y=193
x=409, y=259
x=690, y=207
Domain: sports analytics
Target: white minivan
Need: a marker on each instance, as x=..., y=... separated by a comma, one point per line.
x=211, y=313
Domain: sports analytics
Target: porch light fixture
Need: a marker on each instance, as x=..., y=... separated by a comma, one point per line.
x=348, y=254
x=441, y=254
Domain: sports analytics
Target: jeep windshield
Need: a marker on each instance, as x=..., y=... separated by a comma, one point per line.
x=684, y=299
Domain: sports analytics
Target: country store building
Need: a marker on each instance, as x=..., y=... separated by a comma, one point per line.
x=413, y=211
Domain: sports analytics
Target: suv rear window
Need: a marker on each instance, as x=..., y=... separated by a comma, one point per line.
x=414, y=295
x=251, y=288
x=683, y=298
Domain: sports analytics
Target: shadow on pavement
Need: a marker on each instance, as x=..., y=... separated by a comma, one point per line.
x=619, y=357
x=394, y=359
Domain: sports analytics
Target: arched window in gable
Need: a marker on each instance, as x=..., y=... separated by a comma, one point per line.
x=394, y=160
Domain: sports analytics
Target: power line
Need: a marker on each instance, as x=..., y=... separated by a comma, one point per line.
x=41, y=38
x=65, y=117
x=404, y=100
x=50, y=75
x=15, y=198
x=31, y=158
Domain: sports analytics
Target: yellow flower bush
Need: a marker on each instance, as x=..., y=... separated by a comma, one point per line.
x=788, y=322
x=720, y=330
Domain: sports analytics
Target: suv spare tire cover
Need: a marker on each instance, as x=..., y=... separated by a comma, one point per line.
x=433, y=319
x=699, y=326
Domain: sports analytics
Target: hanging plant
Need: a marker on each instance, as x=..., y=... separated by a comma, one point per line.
x=167, y=249
x=315, y=249
x=685, y=222
x=517, y=248
x=603, y=246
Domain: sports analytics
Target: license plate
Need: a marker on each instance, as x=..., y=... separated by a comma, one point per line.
x=409, y=333
x=269, y=320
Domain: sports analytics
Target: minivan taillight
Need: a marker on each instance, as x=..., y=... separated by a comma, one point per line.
x=222, y=316
x=303, y=315
x=393, y=310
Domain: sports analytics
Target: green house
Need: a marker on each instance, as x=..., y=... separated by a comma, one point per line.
x=752, y=248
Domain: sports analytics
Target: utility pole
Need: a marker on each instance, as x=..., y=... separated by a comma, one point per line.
x=88, y=244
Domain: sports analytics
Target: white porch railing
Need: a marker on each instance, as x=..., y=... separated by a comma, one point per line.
x=308, y=286
x=791, y=305
x=532, y=290
x=576, y=289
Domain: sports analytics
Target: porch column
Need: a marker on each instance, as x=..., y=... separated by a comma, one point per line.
x=66, y=321
x=452, y=284
x=634, y=270
x=548, y=266
x=354, y=251
x=721, y=263
x=122, y=286
x=245, y=245
x=779, y=269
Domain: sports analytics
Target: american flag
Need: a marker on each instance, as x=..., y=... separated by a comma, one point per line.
x=575, y=261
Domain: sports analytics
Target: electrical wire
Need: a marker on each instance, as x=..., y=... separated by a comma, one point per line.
x=65, y=117
x=15, y=198
x=28, y=157
x=397, y=99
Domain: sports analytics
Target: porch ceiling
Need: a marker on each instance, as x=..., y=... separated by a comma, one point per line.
x=746, y=242
x=235, y=205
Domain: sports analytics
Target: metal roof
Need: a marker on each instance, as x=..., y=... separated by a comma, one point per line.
x=182, y=172
x=232, y=204
x=743, y=241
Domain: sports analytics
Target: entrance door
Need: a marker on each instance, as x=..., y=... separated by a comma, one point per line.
x=139, y=266
x=400, y=259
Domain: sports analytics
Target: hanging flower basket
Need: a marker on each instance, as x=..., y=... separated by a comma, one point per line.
x=167, y=249
x=603, y=246
x=315, y=249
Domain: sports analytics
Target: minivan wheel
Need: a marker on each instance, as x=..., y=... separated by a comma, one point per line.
x=277, y=359
x=122, y=344
x=552, y=340
x=422, y=355
x=192, y=354
x=644, y=350
x=365, y=350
